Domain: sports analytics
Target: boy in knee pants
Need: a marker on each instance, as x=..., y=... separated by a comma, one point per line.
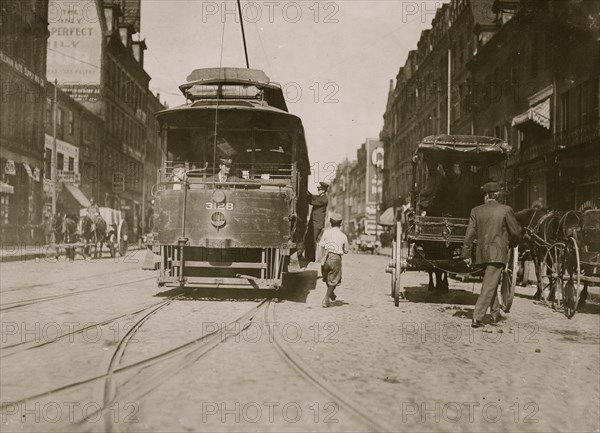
x=333, y=244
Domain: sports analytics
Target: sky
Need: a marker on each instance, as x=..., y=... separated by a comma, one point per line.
x=334, y=59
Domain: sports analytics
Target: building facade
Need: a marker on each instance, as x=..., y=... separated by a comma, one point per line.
x=23, y=39
x=78, y=139
x=104, y=71
x=539, y=81
x=522, y=70
x=433, y=90
x=356, y=191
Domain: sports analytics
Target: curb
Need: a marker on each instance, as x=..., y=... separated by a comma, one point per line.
x=27, y=254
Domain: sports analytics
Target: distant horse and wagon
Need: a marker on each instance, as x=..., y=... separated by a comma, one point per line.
x=88, y=233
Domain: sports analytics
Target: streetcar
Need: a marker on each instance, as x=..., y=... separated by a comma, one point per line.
x=238, y=233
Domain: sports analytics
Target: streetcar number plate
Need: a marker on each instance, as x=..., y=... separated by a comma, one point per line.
x=227, y=206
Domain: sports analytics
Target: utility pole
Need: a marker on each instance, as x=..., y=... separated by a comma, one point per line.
x=376, y=201
x=54, y=156
x=449, y=109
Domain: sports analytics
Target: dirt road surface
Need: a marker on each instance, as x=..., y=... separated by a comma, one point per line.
x=98, y=347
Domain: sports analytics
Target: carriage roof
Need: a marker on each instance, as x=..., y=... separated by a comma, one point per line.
x=468, y=149
x=111, y=216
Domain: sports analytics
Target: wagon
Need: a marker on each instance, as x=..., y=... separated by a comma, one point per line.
x=117, y=232
x=447, y=173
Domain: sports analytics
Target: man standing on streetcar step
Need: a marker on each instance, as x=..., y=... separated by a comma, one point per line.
x=316, y=223
x=495, y=228
x=333, y=245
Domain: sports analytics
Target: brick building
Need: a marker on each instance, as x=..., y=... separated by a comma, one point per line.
x=78, y=139
x=526, y=71
x=104, y=71
x=538, y=80
x=356, y=190
x=422, y=102
x=23, y=35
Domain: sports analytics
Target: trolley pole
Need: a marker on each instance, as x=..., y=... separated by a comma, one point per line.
x=54, y=156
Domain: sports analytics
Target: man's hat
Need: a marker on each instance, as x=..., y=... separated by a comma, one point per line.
x=334, y=216
x=491, y=187
x=225, y=161
x=324, y=185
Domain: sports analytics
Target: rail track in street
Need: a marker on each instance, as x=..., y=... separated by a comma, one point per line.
x=9, y=306
x=114, y=383
x=69, y=280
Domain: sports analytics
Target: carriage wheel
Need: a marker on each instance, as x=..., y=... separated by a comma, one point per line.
x=398, y=292
x=506, y=289
x=571, y=274
x=393, y=279
x=552, y=268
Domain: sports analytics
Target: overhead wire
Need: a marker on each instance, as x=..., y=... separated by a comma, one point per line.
x=217, y=104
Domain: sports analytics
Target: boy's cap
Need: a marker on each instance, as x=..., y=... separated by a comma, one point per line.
x=335, y=217
x=324, y=185
x=225, y=161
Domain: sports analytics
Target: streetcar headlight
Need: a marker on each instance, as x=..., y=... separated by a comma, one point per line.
x=218, y=196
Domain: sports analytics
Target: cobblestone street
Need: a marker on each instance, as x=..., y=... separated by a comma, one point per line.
x=419, y=367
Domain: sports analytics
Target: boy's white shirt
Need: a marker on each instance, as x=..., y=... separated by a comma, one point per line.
x=333, y=236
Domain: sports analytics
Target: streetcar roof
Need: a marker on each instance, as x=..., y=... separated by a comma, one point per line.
x=209, y=107
x=471, y=149
x=200, y=79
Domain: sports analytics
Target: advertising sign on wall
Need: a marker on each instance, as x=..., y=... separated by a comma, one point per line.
x=374, y=166
x=75, y=43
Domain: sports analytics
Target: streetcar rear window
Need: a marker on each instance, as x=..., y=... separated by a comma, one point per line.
x=224, y=91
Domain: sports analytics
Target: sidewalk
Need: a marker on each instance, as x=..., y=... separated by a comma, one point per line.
x=13, y=252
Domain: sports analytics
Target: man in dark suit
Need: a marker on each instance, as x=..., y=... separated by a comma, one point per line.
x=316, y=223
x=495, y=228
x=223, y=174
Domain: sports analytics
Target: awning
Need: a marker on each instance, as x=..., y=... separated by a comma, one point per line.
x=77, y=195
x=28, y=170
x=387, y=218
x=6, y=188
x=539, y=113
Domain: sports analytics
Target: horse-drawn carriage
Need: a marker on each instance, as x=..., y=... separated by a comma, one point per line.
x=106, y=227
x=447, y=173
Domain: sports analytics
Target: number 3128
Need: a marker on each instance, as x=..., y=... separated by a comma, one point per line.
x=211, y=206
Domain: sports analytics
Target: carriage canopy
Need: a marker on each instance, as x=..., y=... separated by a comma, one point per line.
x=464, y=149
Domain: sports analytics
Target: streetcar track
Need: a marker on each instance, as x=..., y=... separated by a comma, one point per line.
x=117, y=357
x=14, y=289
x=311, y=376
x=69, y=334
x=199, y=347
x=8, y=306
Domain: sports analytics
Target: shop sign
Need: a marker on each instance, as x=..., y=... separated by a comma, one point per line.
x=118, y=182
x=9, y=168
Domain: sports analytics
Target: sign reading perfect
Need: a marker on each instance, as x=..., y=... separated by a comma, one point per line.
x=75, y=42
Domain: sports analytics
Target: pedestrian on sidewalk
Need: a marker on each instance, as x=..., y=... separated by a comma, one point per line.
x=496, y=229
x=333, y=245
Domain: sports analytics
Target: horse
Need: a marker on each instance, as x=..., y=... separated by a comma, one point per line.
x=540, y=229
x=64, y=230
x=93, y=230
